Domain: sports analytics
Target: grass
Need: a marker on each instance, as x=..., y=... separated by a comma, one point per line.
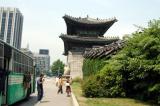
x=83, y=101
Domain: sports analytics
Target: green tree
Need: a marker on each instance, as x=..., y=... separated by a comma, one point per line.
x=134, y=71
x=57, y=67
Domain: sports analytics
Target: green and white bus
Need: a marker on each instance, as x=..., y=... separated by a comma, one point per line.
x=17, y=75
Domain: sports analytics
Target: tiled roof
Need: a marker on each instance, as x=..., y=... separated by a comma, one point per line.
x=105, y=51
x=88, y=39
x=89, y=20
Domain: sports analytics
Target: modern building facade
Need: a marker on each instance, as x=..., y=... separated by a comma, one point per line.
x=27, y=51
x=42, y=61
x=11, y=23
x=44, y=51
x=83, y=34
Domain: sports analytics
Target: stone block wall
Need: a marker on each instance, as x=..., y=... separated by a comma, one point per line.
x=75, y=62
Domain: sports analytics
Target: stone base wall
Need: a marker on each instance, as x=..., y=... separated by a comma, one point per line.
x=75, y=62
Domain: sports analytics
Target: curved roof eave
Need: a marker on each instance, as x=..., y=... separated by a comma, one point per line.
x=89, y=21
x=86, y=39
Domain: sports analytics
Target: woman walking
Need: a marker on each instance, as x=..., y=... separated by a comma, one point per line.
x=60, y=85
x=68, y=88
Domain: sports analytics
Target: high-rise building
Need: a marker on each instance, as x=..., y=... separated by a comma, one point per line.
x=11, y=22
x=44, y=51
x=42, y=61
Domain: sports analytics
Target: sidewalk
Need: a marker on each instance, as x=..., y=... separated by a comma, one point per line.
x=51, y=98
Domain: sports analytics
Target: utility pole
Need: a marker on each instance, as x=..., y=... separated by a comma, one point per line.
x=58, y=71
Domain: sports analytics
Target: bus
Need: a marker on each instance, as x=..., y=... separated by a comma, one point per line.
x=17, y=75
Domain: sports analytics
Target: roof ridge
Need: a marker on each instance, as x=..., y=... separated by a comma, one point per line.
x=89, y=19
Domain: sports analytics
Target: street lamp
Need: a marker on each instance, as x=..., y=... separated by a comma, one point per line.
x=58, y=71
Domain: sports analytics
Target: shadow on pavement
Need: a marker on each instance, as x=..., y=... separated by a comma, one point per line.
x=27, y=102
x=44, y=101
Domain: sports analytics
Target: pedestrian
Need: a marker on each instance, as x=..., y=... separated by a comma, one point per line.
x=40, y=87
x=60, y=85
x=68, y=88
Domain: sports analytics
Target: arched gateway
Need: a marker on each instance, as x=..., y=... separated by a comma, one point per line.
x=82, y=35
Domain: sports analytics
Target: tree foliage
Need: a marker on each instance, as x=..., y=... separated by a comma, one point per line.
x=134, y=71
x=57, y=65
x=92, y=66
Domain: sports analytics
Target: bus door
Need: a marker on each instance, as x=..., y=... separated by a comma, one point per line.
x=7, y=58
x=2, y=74
x=1, y=71
x=5, y=80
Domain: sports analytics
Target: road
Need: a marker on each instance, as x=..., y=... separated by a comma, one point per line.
x=51, y=98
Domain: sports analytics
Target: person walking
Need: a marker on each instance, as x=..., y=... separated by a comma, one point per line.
x=40, y=87
x=60, y=85
x=68, y=88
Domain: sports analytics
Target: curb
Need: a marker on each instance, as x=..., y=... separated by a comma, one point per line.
x=75, y=102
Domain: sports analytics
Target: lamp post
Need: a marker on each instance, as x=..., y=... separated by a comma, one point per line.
x=58, y=71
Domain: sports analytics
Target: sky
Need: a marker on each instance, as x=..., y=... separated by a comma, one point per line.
x=43, y=22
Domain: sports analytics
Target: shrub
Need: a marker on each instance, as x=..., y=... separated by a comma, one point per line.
x=92, y=66
x=133, y=72
x=91, y=87
x=96, y=86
